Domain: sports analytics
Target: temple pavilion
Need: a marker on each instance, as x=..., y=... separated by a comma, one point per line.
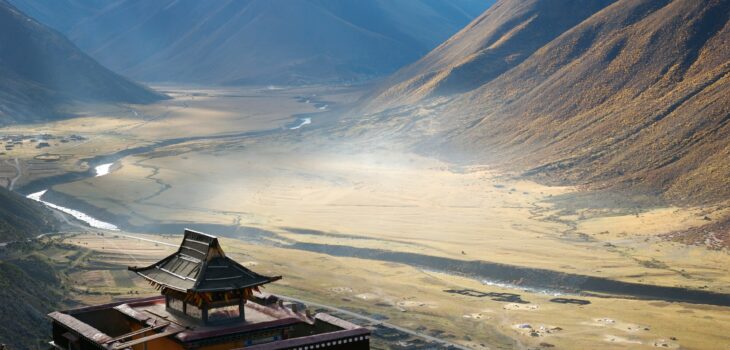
x=200, y=281
x=207, y=301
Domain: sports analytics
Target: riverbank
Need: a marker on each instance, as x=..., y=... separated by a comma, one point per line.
x=454, y=308
x=351, y=213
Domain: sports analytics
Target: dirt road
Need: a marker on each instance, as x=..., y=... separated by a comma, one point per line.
x=18, y=173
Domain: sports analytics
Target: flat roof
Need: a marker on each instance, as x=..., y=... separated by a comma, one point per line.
x=151, y=312
x=108, y=325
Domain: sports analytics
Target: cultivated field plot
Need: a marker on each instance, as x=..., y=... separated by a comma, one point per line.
x=457, y=309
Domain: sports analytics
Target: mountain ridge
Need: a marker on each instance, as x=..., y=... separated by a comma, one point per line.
x=491, y=44
x=276, y=42
x=631, y=98
x=41, y=71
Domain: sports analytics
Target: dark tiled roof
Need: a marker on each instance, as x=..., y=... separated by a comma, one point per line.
x=81, y=328
x=200, y=265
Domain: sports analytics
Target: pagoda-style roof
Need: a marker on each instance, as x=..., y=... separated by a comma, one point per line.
x=200, y=265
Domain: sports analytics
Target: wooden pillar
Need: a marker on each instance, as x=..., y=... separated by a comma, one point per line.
x=242, y=309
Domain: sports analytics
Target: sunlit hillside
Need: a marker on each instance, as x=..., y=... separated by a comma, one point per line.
x=365, y=174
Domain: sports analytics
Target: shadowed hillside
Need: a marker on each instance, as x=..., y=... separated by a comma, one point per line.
x=40, y=71
x=22, y=218
x=33, y=280
x=633, y=97
x=268, y=41
x=60, y=15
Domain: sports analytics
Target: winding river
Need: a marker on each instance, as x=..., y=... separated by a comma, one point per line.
x=75, y=213
x=302, y=122
x=100, y=170
x=103, y=169
x=502, y=275
x=102, y=165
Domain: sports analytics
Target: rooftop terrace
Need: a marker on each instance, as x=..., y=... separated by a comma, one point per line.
x=208, y=301
x=269, y=323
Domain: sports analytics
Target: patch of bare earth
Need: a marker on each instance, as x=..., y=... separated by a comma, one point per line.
x=715, y=236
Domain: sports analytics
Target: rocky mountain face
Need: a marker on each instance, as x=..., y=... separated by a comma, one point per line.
x=627, y=94
x=40, y=71
x=264, y=41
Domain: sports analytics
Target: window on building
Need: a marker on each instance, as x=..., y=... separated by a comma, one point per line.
x=194, y=311
x=223, y=313
x=175, y=304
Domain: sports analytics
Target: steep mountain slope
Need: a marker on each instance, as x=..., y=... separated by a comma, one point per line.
x=499, y=39
x=60, y=15
x=634, y=96
x=40, y=70
x=21, y=218
x=268, y=41
x=33, y=280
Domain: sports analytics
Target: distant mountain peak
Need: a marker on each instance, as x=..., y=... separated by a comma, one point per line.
x=285, y=42
x=41, y=70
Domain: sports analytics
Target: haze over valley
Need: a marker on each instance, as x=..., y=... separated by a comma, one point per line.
x=450, y=174
x=259, y=42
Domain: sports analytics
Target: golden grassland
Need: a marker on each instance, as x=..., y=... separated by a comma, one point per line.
x=380, y=196
x=192, y=112
x=387, y=200
x=416, y=299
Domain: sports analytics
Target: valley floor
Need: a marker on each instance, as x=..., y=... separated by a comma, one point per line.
x=288, y=195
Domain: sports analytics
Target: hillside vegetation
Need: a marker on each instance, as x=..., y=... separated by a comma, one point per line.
x=41, y=71
x=33, y=280
x=21, y=218
x=632, y=96
x=498, y=40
